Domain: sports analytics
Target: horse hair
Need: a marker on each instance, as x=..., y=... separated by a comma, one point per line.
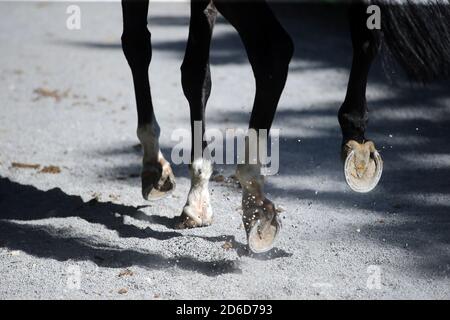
x=417, y=35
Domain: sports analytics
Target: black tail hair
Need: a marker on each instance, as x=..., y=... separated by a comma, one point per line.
x=417, y=35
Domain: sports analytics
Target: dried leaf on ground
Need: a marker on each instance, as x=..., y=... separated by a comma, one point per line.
x=21, y=165
x=51, y=170
x=123, y=291
x=48, y=93
x=227, y=245
x=126, y=272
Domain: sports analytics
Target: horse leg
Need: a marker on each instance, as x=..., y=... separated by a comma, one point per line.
x=362, y=162
x=269, y=49
x=157, y=177
x=196, y=82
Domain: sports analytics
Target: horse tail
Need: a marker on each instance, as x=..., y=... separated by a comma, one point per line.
x=417, y=35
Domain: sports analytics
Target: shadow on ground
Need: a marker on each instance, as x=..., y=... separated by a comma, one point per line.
x=21, y=204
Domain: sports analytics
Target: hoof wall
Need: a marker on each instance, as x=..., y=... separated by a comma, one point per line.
x=155, y=190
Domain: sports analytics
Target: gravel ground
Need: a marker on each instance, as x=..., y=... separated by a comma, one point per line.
x=83, y=231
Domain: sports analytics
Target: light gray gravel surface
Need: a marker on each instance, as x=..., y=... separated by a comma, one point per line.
x=71, y=235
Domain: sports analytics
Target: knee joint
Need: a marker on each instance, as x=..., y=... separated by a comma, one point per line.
x=371, y=46
x=275, y=69
x=137, y=47
x=283, y=49
x=288, y=48
x=195, y=77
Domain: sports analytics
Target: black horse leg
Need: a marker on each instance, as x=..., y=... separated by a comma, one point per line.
x=363, y=164
x=157, y=177
x=196, y=81
x=269, y=49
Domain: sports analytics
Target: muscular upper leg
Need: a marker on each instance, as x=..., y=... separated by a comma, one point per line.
x=269, y=49
x=269, y=46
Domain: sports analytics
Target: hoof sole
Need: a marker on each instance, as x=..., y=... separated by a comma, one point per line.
x=369, y=179
x=154, y=194
x=263, y=235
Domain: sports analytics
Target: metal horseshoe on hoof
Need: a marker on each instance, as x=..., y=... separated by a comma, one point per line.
x=261, y=238
x=369, y=180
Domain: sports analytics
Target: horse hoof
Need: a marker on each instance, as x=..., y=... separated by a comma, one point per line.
x=263, y=235
x=262, y=226
x=197, y=212
x=157, y=182
x=363, y=166
x=187, y=221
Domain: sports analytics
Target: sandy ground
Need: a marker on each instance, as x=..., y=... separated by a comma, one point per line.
x=85, y=232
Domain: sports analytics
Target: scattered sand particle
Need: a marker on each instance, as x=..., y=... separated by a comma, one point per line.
x=15, y=253
x=123, y=291
x=219, y=178
x=114, y=197
x=280, y=209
